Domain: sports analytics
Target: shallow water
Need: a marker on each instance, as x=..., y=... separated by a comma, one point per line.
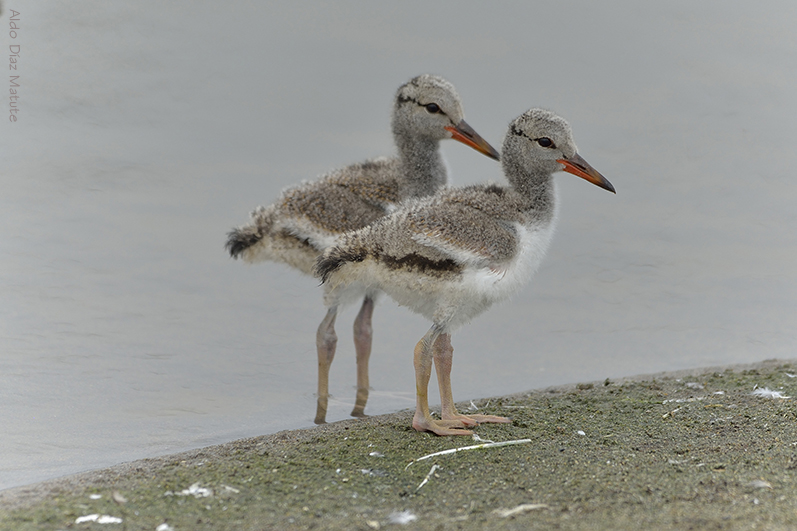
x=146, y=131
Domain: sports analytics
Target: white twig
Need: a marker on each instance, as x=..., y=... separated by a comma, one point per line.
x=432, y=471
x=759, y=484
x=520, y=509
x=474, y=447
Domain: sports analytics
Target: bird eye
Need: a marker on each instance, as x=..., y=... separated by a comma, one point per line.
x=545, y=142
x=433, y=108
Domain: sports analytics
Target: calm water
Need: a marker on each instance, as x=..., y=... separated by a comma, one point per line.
x=147, y=130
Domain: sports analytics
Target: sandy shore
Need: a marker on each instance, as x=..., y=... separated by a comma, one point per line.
x=687, y=450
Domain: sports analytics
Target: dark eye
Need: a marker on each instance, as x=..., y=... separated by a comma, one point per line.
x=433, y=108
x=545, y=142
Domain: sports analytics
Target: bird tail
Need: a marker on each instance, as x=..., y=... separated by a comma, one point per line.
x=336, y=257
x=242, y=241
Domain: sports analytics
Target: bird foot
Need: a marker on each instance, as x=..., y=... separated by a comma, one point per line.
x=360, y=402
x=465, y=420
x=440, y=427
x=358, y=412
x=487, y=419
x=475, y=420
x=321, y=414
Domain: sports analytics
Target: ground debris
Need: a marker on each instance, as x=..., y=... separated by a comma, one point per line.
x=426, y=479
x=100, y=519
x=401, y=517
x=766, y=392
x=759, y=484
x=194, y=490
x=473, y=447
x=520, y=509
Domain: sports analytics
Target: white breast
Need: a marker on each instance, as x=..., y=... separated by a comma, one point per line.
x=454, y=303
x=483, y=287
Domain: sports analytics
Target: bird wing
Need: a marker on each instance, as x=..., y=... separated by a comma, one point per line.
x=342, y=201
x=468, y=226
x=374, y=181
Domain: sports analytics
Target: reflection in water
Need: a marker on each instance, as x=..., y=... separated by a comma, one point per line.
x=127, y=332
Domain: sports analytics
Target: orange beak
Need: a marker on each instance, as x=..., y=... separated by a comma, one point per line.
x=464, y=133
x=580, y=167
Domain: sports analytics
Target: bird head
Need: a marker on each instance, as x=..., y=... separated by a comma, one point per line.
x=540, y=142
x=429, y=107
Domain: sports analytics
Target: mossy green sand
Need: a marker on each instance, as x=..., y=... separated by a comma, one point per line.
x=677, y=451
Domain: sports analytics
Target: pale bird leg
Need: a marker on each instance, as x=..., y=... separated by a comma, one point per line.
x=443, y=360
x=326, y=340
x=363, y=334
x=423, y=421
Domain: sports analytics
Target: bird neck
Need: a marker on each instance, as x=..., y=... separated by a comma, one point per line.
x=421, y=166
x=534, y=187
